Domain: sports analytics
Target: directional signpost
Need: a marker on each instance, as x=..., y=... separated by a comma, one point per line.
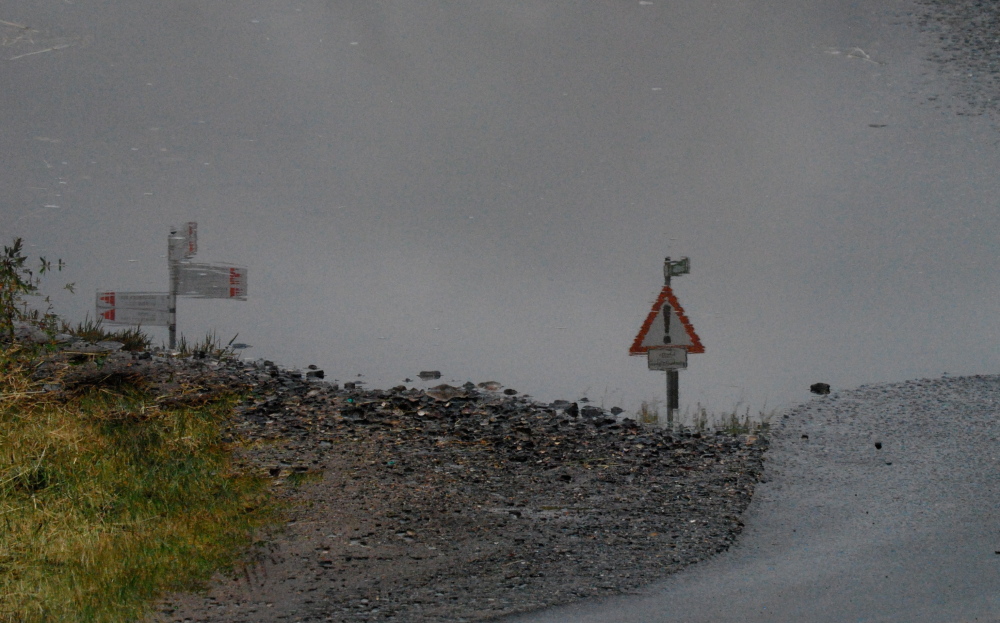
x=219, y=281
x=667, y=336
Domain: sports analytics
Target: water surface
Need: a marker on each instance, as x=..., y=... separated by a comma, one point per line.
x=489, y=189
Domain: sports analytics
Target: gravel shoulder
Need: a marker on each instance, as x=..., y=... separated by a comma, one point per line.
x=452, y=504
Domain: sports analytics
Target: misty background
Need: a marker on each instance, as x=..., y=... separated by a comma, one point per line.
x=489, y=189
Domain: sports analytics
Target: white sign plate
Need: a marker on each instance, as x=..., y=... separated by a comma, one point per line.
x=145, y=317
x=158, y=301
x=667, y=358
x=215, y=281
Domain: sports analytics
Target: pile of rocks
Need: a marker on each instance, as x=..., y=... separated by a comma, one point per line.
x=453, y=503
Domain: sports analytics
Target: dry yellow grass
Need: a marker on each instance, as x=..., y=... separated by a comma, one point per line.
x=108, y=500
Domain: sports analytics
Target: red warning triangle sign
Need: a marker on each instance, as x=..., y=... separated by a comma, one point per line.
x=666, y=326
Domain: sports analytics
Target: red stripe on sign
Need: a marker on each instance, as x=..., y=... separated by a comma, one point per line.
x=109, y=298
x=108, y=315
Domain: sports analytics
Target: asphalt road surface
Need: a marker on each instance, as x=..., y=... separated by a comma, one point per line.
x=845, y=531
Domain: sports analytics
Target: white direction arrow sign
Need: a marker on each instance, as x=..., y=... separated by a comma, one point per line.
x=145, y=308
x=145, y=317
x=134, y=300
x=215, y=281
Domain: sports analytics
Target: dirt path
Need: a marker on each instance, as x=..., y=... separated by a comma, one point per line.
x=461, y=505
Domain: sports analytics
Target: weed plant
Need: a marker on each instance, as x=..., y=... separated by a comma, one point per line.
x=700, y=420
x=18, y=280
x=211, y=346
x=108, y=499
x=132, y=338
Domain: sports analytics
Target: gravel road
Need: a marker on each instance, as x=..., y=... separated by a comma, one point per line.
x=844, y=530
x=962, y=35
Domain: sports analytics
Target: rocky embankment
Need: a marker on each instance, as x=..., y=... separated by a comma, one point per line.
x=447, y=504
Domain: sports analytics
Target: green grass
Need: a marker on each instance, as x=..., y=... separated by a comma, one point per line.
x=107, y=500
x=700, y=420
x=92, y=331
x=211, y=345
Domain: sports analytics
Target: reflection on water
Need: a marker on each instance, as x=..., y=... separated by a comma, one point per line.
x=667, y=337
x=481, y=190
x=700, y=419
x=189, y=279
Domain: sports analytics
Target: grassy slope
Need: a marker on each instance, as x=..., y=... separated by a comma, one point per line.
x=107, y=500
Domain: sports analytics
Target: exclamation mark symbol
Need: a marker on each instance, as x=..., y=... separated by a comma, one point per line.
x=666, y=324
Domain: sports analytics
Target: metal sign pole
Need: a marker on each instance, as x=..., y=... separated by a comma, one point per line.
x=673, y=395
x=673, y=379
x=172, y=268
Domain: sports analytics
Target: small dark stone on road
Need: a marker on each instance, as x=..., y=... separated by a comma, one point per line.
x=819, y=388
x=573, y=410
x=510, y=391
x=878, y=445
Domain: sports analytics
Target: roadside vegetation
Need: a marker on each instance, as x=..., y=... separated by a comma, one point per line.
x=701, y=421
x=108, y=497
